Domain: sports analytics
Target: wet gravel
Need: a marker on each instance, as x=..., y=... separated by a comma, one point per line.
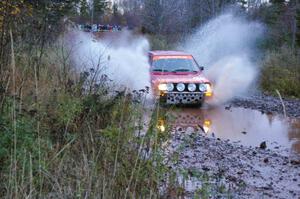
x=269, y=104
x=234, y=170
x=243, y=172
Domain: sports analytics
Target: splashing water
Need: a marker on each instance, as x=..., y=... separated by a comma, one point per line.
x=121, y=56
x=226, y=45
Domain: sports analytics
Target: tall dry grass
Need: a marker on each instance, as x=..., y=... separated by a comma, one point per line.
x=59, y=141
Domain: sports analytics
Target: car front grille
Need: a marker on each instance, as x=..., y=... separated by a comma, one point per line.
x=186, y=88
x=184, y=98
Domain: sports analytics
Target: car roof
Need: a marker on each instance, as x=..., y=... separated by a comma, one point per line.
x=168, y=53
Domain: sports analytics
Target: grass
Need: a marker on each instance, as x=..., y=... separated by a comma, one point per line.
x=60, y=141
x=81, y=156
x=281, y=71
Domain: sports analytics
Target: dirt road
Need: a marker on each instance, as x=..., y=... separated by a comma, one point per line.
x=233, y=170
x=269, y=104
x=211, y=153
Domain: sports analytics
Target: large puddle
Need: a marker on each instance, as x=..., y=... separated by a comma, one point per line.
x=249, y=127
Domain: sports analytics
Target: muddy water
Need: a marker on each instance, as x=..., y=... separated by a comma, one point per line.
x=245, y=126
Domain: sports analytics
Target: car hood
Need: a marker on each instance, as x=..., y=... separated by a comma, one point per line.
x=178, y=78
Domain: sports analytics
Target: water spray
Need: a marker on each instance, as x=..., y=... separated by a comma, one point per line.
x=226, y=46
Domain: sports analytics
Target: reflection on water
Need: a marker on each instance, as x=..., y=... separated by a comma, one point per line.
x=250, y=127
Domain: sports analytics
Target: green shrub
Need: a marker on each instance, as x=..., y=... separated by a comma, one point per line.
x=281, y=71
x=68, y=108
x=25, y=130
x=24, y=150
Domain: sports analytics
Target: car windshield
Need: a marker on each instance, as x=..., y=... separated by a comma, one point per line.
x=175, y=65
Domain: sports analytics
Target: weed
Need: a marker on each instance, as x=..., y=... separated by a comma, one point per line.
x=281, y=71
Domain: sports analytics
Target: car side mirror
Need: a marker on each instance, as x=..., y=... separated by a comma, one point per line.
x=201, y=68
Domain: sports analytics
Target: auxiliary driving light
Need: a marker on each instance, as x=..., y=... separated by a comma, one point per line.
x=203, y=87
x=180, y=87
x=192, y=87
x=170, y=87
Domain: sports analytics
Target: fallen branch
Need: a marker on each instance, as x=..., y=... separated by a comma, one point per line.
x=282, y=103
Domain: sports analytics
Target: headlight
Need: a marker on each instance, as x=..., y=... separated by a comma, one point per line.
x=162, y=87
x=192, y=87
x=180, y=87
x=209, y=91
x=170, y=87
x=203, y=87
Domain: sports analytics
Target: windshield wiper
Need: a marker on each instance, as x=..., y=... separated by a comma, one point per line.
x=160, y=70
x=181, y=70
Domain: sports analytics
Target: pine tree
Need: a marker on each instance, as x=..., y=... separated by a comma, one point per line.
x=84, y=9
x=298, y=27
x=153, y=15
x=115, y=10
x=99, y=8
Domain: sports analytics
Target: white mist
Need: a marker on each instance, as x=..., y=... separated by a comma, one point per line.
x=121, y=56
x=226, y=47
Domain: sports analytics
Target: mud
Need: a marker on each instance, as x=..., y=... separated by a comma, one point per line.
x=268, y=104
x=233, y=170
x=246, y=149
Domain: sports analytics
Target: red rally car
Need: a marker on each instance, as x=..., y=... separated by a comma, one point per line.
x=176, y=78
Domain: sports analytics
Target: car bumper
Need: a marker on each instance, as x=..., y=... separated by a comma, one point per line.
x=182, y=97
